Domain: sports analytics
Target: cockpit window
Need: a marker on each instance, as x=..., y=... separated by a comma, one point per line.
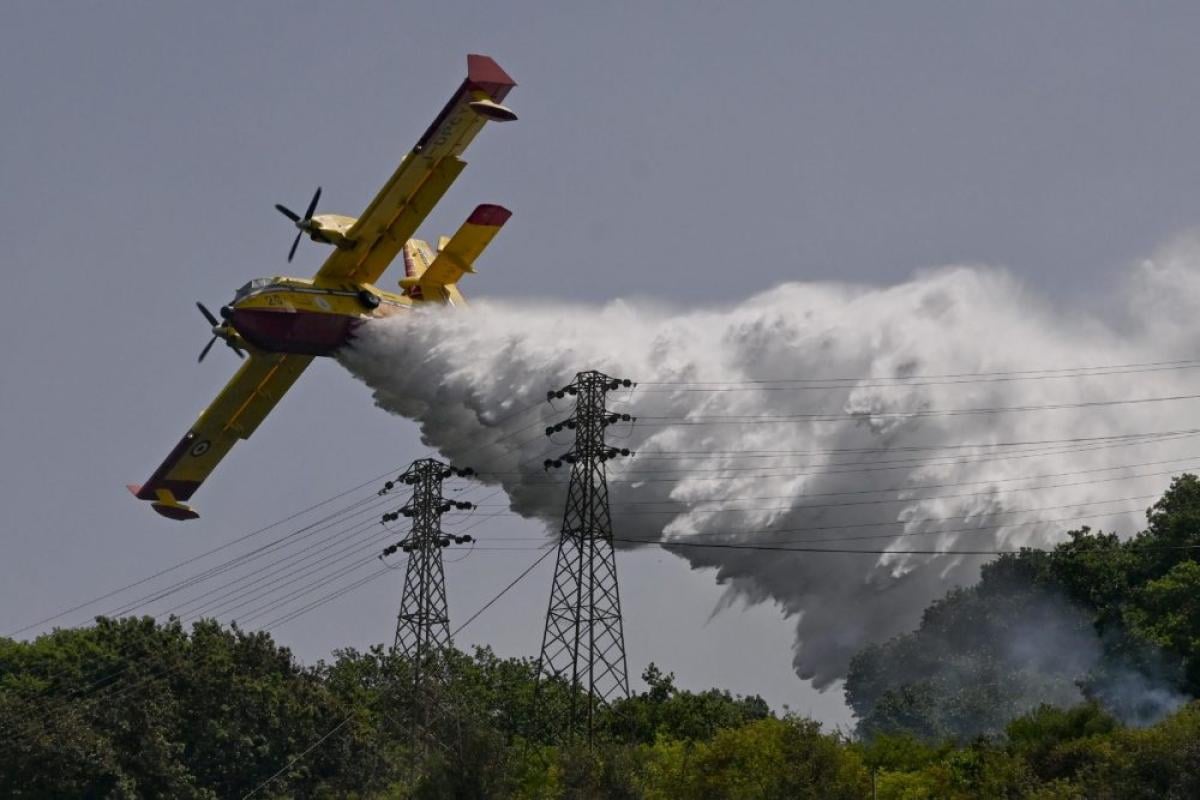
x=252, y=287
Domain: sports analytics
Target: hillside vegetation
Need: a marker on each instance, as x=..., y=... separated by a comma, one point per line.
x=1095, y=618
x=1059, y=675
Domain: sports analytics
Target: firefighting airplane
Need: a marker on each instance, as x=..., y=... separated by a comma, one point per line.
x=283, y=323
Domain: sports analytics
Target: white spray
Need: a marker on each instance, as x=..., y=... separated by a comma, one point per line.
x=864, y=472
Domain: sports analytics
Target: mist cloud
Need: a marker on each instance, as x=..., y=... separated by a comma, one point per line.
x=462, y=376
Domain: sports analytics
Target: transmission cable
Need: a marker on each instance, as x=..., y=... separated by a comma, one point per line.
x=1149, y=366
x=844, y=551
x=205, y=554
x=754, y=419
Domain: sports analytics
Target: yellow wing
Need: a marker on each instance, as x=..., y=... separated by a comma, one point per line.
x=435, y=279
x=234, y=414
x=422, y=177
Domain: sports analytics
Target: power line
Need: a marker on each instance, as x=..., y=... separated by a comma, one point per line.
x=690, y=505
x=685, y=512
x=233, y=563
x=883, y=536
x=257, y=577
x=880, y=501
x=239, y=539
x=307, y=750
x=110, y=678
x=761, y=453
x=337, y=593
x=245, y=558
x=753, y=419
x=502, y=592
x=257, y=591
x=291, y=615
x=454, y=633
x=295, y=613
x=263, y=571
x=858, y=466
x=1147, y=366
x=222, y=598
x=833, y=385
x=1062, y=372
x=200, y=556
x=926, y=521
x=241, y=601
x=842, y=551
x=351, y=568
x=882, y=465
x=923, y=487
x=328, y=598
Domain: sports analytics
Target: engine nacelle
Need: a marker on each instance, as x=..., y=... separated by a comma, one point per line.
x=330, y=229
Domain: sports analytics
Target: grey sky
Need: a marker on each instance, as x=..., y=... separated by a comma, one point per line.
x=690, y=152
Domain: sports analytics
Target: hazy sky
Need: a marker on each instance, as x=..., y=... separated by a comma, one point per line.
x=691, y=152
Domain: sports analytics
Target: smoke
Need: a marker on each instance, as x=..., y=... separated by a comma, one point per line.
x=986, y=655
x=1051, y=655
x=849, y=477
x=1135, y=697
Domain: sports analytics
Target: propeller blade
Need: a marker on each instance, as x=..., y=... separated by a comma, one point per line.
x=207, y=315
x=287, y=212
x=295, y=244
x=237, y=350
x=207, y=347
x=312, y=206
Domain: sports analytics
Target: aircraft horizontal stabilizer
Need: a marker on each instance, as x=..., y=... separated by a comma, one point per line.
x=457, y=257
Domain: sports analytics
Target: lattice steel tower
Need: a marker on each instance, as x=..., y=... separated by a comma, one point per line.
x=584, y=642
x=423, y=624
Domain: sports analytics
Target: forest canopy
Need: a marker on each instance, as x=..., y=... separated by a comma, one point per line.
x=1061, y=674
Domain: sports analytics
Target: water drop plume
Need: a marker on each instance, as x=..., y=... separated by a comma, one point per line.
x=958, y=410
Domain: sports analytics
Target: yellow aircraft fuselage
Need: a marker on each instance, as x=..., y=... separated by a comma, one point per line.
x=285, y=322
x=295, y=315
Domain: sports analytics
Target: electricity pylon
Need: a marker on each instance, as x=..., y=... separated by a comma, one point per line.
x=423, y=624
x=584, y=642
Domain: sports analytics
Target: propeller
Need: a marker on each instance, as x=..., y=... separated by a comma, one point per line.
x=303, y=223
x=215, y=325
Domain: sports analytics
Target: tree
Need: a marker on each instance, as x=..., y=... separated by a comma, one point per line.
x=767, y=758
x=1096, y=617
x=665, y=710
x=141, y=709
x=1166, y=612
